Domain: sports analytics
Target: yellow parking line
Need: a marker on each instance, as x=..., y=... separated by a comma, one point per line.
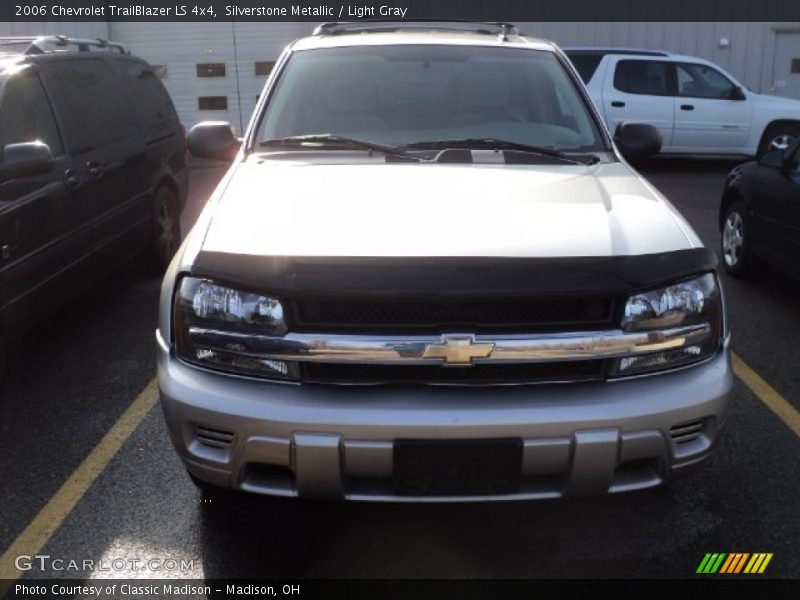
x=767, y=394
x=45, y=523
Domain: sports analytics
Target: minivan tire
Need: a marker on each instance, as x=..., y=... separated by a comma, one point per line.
x=165, y=231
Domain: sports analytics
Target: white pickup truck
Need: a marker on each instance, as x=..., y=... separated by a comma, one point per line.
x=696, y=105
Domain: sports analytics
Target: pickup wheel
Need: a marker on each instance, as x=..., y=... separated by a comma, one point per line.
x=778, y=137
x=736, y=241
x=165, y=231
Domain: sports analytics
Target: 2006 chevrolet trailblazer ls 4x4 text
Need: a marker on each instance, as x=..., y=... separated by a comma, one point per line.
x=430, y=276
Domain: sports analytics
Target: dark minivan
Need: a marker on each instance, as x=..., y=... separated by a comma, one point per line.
x=92, y=171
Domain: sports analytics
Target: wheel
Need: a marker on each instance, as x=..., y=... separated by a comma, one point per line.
x=779, y=137
x=736, y=241
x=165, y=234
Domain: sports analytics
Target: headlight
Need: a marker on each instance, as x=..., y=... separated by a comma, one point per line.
x=204, y=309
x=693, y=302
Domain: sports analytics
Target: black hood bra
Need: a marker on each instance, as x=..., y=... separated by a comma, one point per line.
x=365, y=277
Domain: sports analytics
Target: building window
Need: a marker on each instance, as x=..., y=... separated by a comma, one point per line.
x=264, y=67
x=796, y=65
x=212, y=103
x=211, y=70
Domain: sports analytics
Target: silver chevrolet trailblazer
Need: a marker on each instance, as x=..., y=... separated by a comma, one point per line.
x=430, y=275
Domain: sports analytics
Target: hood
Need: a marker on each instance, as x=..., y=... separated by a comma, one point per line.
x=778, y=103
x=275, y=208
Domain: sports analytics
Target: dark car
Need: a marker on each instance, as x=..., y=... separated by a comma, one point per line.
x=92, y=171
x=760, y=213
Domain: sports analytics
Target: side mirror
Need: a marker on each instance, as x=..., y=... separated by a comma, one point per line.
x=737, y=93
x=213, y=139
x=773, y=159
x=779, y=159
x=637, y=140
x=25, y=160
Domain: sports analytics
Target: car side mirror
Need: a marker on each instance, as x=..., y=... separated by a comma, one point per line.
x=737, y=93
x=637, y=140
x=774, y=159
x=25, y=159
x=213, y=139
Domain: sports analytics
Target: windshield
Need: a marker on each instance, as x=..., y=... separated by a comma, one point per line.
x=406, y=94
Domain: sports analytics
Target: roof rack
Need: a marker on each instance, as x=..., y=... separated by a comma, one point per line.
x=39, y=44
x=383, y=25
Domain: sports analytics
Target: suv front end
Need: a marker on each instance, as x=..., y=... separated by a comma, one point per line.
x=441, y=321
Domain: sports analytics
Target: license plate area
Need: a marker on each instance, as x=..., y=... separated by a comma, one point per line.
x=457, y=467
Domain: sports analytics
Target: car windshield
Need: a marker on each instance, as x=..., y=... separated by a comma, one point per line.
x=401, y=95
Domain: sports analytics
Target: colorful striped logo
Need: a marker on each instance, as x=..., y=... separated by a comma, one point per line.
x=734, y=563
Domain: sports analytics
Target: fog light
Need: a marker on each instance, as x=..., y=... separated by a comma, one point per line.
x=247, y=364
x=657, y=360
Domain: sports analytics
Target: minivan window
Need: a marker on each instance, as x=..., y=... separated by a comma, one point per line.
x=701, y=81
x=26, y=114
x=151, y=102
x=403, y=94
x=94, y=109
x=650, y=77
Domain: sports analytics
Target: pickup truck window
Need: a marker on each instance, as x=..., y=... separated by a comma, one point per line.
x=648, y=77
x=402, y=94
x=701, y=81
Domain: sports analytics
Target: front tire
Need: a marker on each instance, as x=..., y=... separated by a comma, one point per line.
x=778, y=137
x=736, y=256
x=165, y=231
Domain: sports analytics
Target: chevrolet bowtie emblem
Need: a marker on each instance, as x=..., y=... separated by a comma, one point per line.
x=458, y=350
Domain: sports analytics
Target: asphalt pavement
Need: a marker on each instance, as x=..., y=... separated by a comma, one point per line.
x=73, y=377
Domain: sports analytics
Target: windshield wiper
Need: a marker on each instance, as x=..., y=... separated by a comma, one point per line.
x=495, y=144
x=329, y=140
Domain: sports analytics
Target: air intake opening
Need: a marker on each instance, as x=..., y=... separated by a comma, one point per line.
x=686, y=432
x=637, y=475
x=265, y=478
x=214, y=438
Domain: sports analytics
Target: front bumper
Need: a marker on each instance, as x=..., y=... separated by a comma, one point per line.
x=327, y=441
